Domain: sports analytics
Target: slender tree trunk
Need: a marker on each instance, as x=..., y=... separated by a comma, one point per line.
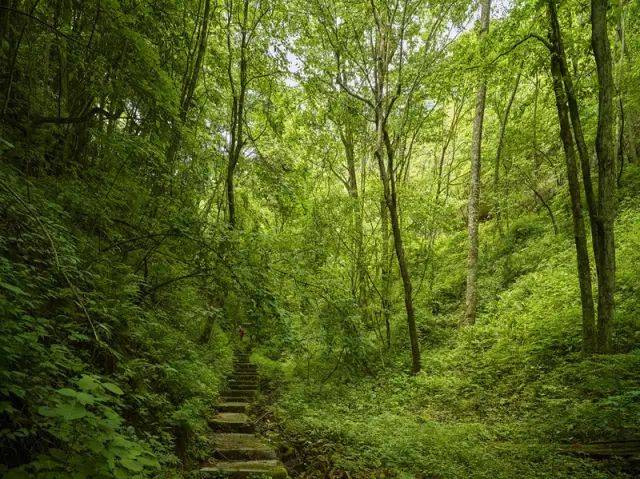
x=503, y=128
x=239, y=92
x=360, y=275
x=387, y=174
x=190, y=81
x=574, y=112
x=474, y=190
x=385, y=271
x=584, y=270
x=605, y=144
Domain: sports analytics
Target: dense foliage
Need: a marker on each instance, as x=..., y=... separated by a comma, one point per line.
x=174, y=169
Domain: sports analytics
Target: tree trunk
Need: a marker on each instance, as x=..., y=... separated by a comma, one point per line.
x=359, y=289
x=576, y=122
x=385, y=273
x=503, y=128
x=190, y=81
x=239, y=92
x=474, y=190
x=605, y=144
x=387, y=174
x=584, y=270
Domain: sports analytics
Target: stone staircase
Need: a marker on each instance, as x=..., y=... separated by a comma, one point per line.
x=239, y=452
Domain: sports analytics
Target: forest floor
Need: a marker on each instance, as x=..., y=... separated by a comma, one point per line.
x=503, y=399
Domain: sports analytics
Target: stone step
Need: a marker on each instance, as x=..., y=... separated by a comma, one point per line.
x=244, y=364
x=231, y=422
x=241, y=469
x=235, y=399
x=244, y=375
x=239, y=396
x=243, y=370
x=242, y=385
x=241, y=447
x=232, y=406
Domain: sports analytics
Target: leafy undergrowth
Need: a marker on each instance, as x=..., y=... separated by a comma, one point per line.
x=496, y=400
x=95, y=381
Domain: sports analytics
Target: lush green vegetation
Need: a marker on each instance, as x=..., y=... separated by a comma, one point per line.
x=320, y=171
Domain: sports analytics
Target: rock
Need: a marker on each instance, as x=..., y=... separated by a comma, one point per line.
x=234, y=446
x=231, y=422
x=241, y=469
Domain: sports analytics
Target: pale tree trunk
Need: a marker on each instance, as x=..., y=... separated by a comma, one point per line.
x=605, y=145
x=474, y=190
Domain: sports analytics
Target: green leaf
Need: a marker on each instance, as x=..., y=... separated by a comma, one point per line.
x=14, y=289
x=113, y=388
x=131, y=464
x=88, y=383
x=68, y=412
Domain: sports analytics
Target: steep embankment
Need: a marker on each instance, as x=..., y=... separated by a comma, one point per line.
x=102, y=375
x=496, y=400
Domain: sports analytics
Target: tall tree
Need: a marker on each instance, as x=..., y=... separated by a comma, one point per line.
x=601, y=206
x=238, y=83
x=582, y=254
x=605, y=151
x=471, y=302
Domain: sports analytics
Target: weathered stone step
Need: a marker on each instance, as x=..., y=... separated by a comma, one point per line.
x=245, y=369
x=231, y=422
x=234, y=380
x=241, y=469
x=232, y=406
x=244, y=364
x=242, y=385
x=239, y=396
x=241, y=447
x=245, y=376
x=235, y=399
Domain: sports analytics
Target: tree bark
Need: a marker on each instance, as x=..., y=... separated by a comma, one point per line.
x=503, y=128
x=385, y=273
x=237, y=140
x=360, y=276
x=387, y=175
x=190, y=82
x=474, y=190
x=605, y=145
x=574, y=112
x=582, y=254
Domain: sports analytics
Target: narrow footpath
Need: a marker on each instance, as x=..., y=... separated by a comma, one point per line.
x=239, y=452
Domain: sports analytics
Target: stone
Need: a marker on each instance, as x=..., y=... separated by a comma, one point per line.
x=235, y=446
x=231, y=422
x=241, y=469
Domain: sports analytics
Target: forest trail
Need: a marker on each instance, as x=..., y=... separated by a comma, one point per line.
x=239, y=452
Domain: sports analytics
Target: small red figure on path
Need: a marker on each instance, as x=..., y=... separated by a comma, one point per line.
x=241, y=333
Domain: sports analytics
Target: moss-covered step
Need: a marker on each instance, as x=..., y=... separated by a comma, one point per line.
x=241, y=447
x=239, y=394
x=241, y=469
x=231, y=422
x=232, y=406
